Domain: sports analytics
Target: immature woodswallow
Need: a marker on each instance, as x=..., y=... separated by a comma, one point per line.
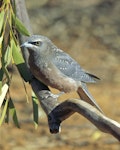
x=57, y=69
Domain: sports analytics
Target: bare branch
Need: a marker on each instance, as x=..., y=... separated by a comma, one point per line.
x=58, y=112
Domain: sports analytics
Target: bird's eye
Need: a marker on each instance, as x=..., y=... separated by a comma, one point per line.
x=38, y=43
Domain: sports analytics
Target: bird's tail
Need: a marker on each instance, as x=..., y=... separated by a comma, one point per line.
x=86, y=96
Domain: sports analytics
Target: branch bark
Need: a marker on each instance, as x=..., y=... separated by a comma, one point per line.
x=58, y=112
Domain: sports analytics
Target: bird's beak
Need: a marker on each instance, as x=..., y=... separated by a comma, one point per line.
x=26, y=45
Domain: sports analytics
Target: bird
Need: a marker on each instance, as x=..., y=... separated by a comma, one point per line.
x=57, y=69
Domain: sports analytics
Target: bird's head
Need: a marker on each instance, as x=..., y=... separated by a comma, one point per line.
x=37, y=43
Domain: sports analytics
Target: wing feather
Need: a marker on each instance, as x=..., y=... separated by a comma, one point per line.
x=69, y=67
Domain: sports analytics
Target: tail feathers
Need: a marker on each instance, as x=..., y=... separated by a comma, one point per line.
x=86, y=96
x=93, y=76
x=88, y=78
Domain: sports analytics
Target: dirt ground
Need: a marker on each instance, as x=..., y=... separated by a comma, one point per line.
x=89, y=32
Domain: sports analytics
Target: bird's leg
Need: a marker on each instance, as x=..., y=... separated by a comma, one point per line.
x=60, y=93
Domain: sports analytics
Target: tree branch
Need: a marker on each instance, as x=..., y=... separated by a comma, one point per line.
x=58, y=112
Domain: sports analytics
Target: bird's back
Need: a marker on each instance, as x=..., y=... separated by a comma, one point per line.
x=69, y=67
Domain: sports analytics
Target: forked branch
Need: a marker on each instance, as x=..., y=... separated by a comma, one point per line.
x=58, y=112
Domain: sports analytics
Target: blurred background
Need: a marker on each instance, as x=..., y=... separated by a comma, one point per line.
x=89, y=30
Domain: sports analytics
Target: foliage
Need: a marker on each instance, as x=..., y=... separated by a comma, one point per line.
x=10, y=54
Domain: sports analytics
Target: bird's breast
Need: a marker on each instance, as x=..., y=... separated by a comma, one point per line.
x=48, y=73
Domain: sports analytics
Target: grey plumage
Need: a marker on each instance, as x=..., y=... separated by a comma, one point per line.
x=57, y=69
x=71, y=68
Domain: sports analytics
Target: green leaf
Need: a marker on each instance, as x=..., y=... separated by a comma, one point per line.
x=1, y=19
x=1, y=40
x=3, y=93
x=35, y=109
x=8, y=56
x=4, y=112
x=26, y=93
x=4, y=61
x=5, y=70
x=12, y=111
x=6, y=1
x=17, y=56
x=19, y=25
x=1, y=78
x=7, y=115
x=19, y=61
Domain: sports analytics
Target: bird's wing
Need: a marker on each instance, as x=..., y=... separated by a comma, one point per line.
x=86, y=96
x=69, y=67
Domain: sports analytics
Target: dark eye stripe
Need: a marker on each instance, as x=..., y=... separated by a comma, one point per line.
x=36, y=43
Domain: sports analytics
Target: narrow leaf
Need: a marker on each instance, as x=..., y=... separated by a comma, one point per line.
x=26, y=93
x=35, y=110
x=8, y=56
x=19, y=25
x=3, y=62
x=17, y=56
x=13, y=113
x=5, y=70
x=3, y=93
x=1, y=19
x=1, y=39
x=19, y=61
x=4, y=112
x=7, y=115
x=1, y=78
